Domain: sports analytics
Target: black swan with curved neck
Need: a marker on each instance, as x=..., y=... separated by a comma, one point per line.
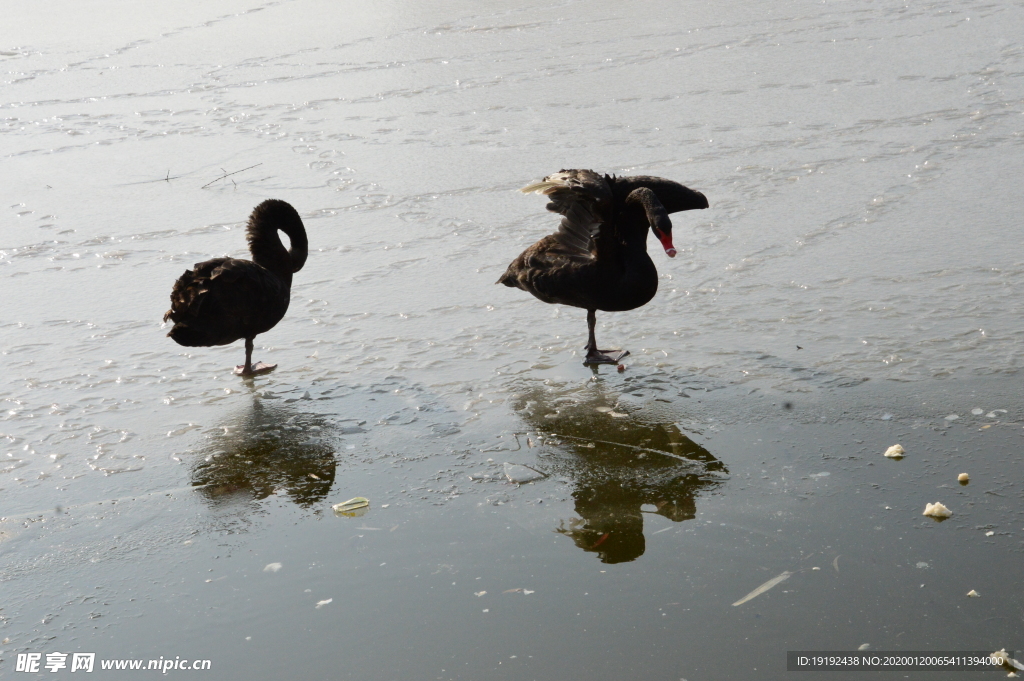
x=598, y=258
x=221, y=300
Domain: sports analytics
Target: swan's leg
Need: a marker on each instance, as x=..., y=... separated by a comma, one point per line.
x=250, y=369
x=595, y=356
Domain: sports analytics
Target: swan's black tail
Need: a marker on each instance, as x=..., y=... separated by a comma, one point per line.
x=190, y=336
x=508, y=279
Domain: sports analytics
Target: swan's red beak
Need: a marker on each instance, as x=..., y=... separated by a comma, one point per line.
x=666, y=242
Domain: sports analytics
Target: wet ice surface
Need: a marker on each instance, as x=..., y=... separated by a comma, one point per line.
x=865, y=193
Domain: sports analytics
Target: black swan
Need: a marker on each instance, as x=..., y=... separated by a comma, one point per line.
x=598, y=258
x=221, y=300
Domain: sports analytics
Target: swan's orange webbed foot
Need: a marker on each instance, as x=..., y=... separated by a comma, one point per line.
x=605, y=356
x=255, y=370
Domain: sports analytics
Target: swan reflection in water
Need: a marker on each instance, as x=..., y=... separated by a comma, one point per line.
x=268, y=449
x=620, y=465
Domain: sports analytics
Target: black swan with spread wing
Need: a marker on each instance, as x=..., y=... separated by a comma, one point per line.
x=597, y=260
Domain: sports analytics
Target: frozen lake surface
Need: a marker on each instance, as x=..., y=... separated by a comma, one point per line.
x=855, y=283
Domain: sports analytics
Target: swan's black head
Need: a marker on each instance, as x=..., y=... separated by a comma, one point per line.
x=664, y=234
x=642, y=208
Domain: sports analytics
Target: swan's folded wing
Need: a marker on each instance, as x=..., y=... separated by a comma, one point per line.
x=206, y=280
x=245, y=291
x=228, y=270
x=190, y=292
x=584, y=200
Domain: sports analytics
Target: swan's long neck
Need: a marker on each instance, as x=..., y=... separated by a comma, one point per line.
x=640, y=211
x=638, y=280
x=633, y=232
x=265, y=244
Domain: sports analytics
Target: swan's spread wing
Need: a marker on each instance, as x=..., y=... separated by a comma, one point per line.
x=584, y=200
